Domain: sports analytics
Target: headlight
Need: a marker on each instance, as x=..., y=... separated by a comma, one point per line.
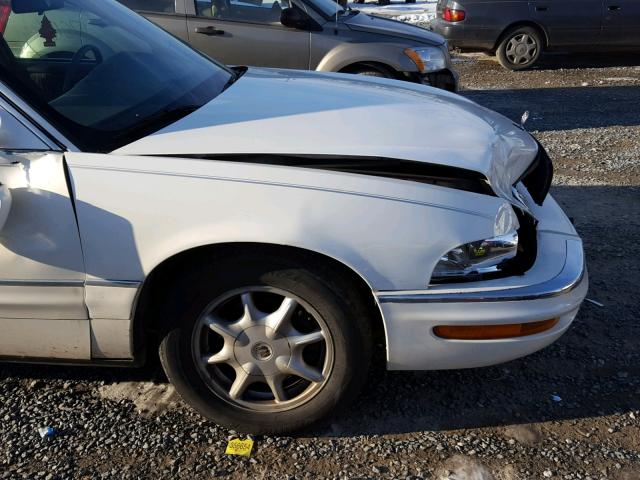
x=469, y=261
x=427, y=59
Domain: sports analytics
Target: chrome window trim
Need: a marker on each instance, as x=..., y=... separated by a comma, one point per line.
x=571, y=276
x=35, y=121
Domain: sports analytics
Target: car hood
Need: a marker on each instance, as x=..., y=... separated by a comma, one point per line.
x=385, y=26
x=287, y=112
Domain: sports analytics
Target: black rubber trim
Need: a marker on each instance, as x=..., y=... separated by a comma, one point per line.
x=94, y=362
x=421, y=172
x=539, y=176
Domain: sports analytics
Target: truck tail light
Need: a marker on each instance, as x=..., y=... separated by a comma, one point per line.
x=453, y=15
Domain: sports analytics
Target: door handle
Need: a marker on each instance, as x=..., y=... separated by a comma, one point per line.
x=211, y=30
x=541, y=9
x=614, y=8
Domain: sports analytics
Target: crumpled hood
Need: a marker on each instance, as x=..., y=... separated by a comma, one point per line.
x=291, y=112
x=384, y=26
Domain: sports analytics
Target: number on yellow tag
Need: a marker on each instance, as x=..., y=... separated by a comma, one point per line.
x=239, y=447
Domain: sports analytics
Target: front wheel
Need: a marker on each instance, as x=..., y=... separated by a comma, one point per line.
x=520, y=48
x=266, y=346
x=372, y=72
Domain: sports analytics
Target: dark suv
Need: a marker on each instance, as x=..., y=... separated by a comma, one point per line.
x=517, y=31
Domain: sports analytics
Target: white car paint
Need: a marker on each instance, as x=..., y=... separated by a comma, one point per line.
x=434, y=126
x=142, y=204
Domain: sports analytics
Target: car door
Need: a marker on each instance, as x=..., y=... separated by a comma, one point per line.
x=42, y=308
x=621, y=23
x=569, y=22
x=168, y=14
x=247, y=32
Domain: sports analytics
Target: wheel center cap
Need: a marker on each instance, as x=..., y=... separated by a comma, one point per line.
x=521, y=49
x=259, y=346
x=261, y=351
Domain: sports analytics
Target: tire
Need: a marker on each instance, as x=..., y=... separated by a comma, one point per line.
x=261, y=352
x=372, y=72
x=520, y=48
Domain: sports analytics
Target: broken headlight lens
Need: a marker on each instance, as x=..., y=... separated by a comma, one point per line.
x=471, y=260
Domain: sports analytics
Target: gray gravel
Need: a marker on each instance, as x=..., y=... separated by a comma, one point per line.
x=571, y=411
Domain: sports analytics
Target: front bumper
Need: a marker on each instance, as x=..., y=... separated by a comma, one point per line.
x=410, y=317
x=445, y=79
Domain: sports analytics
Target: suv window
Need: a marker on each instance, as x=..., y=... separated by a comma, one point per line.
x=159, y=6
x=253, y=11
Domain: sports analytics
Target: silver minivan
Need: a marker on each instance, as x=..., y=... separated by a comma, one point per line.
x=305, y=34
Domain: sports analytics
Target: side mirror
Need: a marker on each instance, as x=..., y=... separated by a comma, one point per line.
x=5, y=204
x=295, y=18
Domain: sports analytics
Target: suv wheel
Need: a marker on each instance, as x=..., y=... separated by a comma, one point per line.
x=372, y=72
x=266, y=346
x=520, y=48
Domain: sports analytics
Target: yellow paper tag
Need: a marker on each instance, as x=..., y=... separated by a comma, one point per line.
x=239, y=447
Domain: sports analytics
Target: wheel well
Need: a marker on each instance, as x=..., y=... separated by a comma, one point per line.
x=535, y=25
x=381, y=67
x=149, y=322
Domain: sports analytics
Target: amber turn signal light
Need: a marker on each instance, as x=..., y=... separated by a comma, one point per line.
x=493, y=332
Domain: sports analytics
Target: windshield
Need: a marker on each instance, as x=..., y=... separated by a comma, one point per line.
x=328, y=8
x=100, y=73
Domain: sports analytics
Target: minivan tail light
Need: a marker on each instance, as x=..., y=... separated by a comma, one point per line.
x=5, y=11
x=453, y=15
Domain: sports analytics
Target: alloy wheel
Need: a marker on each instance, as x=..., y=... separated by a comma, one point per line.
x=521, y=49
x=262, y=349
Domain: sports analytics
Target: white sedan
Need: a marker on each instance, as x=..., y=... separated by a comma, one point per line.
x=246, y=224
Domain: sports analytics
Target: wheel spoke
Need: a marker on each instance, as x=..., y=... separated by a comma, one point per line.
x=275, y=384
x=223, y=356
x=280, y=320
x=304, y=339
x=298, y=367
x=251, y=313
x=228, y=331
x=240, y=384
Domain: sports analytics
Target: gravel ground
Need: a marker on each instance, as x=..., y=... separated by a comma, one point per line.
x=571, y=411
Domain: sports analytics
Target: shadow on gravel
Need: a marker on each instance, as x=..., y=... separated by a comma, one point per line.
x=594, y=368
x=564, y=108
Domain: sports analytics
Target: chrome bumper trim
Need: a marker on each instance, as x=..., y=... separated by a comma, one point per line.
x=569, y=278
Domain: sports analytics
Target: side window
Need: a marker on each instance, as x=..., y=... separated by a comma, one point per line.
x=15, y=136
x=252, y=11
x=159, y=6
